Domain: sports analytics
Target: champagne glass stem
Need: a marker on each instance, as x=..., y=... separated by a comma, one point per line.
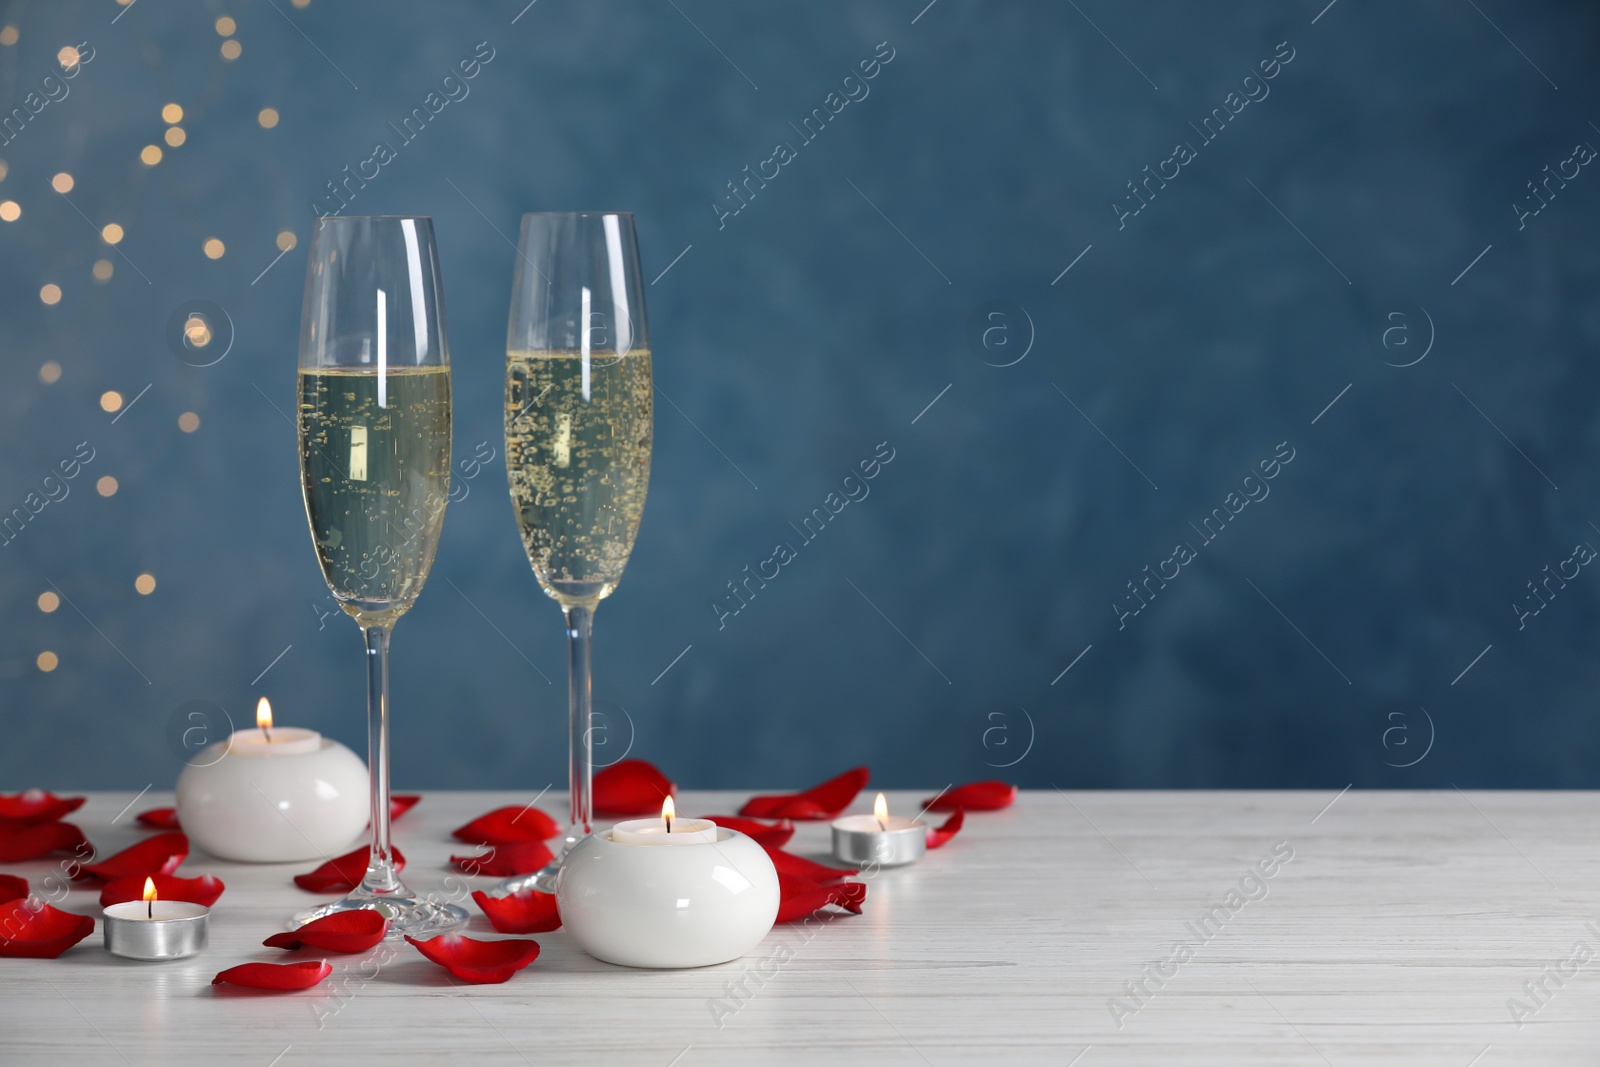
x=580, y=621
x=381, y=877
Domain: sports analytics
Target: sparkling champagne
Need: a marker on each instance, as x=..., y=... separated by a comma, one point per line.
x=375, y=469
x=578, y=454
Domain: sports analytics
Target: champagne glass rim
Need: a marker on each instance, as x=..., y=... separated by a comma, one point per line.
x=573, y=214
x=374, y=218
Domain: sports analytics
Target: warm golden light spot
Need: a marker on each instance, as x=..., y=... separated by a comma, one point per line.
x=196, y=332
x=110, y=400
x=103, y=270
x=145, y=584
x=50, y=294
x=62, y=183
x=50, y=372
x=214, y=248
x=4, y=170
x=230, y=49
x=106, y=486
x=150, y=155
x=48, y=602
x=268, y=118
x=188, y=422
x=10, y=210
x=287, y=240
x=172, y=114
x=176, y=136
x=8, y=36
x=48, y=661
x=111, y=233
x=226, y=26
x=300, y=3
x=68, y=57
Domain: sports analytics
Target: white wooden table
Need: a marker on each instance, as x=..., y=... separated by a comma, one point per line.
x=1397, y=933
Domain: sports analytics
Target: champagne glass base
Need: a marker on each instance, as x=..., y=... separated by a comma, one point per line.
x=409, y=916
x=543, y=880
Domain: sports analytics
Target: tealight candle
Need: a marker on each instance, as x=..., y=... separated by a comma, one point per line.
x=667, y=830
x=627, y=900
x=265, y=741
x=881, y=838
x=274, y=795
x=152, y=929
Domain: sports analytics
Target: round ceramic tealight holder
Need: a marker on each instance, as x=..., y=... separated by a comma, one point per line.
x=687, y=905
x=301, y=797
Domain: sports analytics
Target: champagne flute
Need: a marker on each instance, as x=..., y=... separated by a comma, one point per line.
x=578, y=421
x=374, y=431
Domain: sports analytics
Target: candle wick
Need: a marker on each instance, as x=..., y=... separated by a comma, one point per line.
x=150, y=909
x=883, y=825
x=267, y=733
x=669, y=823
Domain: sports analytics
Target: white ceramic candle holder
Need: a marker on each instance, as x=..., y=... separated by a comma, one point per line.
x=688, y=905
x=302, y=798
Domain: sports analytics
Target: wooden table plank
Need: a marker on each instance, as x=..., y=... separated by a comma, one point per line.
x=1397, y=933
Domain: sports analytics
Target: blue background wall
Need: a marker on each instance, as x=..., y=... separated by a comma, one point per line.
x=1320, y=240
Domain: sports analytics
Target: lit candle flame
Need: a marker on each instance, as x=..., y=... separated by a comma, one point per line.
x=668, y=810
x=264, y=718
x=880, y=811
x=150, y=898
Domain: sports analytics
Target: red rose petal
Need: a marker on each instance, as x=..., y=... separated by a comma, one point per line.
x=22, y=841
x=631, y=787
x=508, y=826
x=768, y=835
x=203, y=890
x=12, y=888
x=506, y=861
x=343, y=931
x=343, y=873
x=975, y=796
x=800, y=867
x=938, y=835
x=36, y=806
x=823, y=801
x=276, y=976
x=479, y=962
x=32, y=929
x=799, y=897
x=400, y=803
x=160, y=854
x=159, y=819
x=526, y=911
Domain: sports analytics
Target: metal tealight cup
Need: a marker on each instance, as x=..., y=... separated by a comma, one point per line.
x=156, y=930
x=861, y=839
